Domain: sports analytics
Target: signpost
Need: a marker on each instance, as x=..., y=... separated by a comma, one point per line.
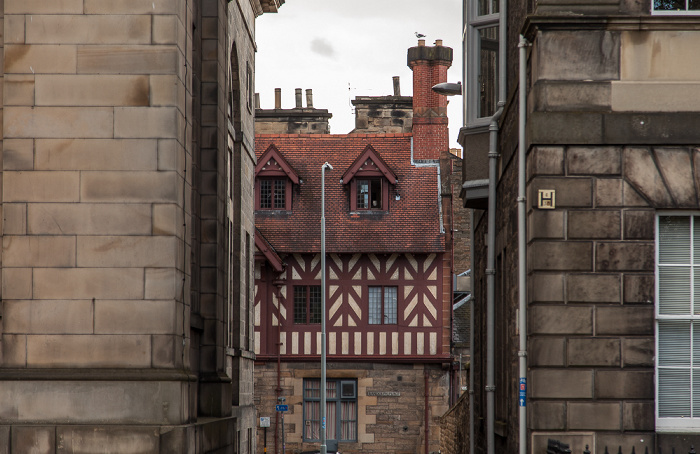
x=265, y=423
x=282, y=407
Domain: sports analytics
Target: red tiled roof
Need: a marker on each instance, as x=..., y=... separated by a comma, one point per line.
x=412, y=223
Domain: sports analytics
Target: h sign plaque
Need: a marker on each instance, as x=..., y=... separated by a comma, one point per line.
x=545, y=199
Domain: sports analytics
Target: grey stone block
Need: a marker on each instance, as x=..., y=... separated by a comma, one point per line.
x=594, y=224
x=641, y=172
x=593, y=352
x=560, y=320
x=561, y=384
x=576, y=441
x=92, y=439
x=546, y=224
x=33, y=439
x=547, y=416
x=631, y=197
x=638, y=288
x=662, y=128
x=546, y=161
x=561, y=128
x=571, y=55
x=639, y=225
x=579, y=96
x=594, y=416
x=639, y=441
x=546, y=351
x=546, y=288
x=627, y=321
x=622, y=256
x=593, y=161
x=561, y=256
x=638, y=416
x=569, y=191
x=597, y=288
x=4, y=439
x=624, y=384
x=675, y=166
x=638, y=352
x=608, y=192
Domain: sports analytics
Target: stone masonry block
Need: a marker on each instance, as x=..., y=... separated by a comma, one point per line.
x=88, y=283
x=18, y=154
x=659, y=56
x=593, y=161
x=40, y=59
x=546, y=161
x=89, y=219
x=14, y=350
x=620, y=256
x=594, y=416
x=167, y=90
x=38, y=251
x=41, y=186
x=131, y=7
x=577, y=441
x=96, y=154
x=92, y=90
x=629, y=320
x=58, y=122
x=4, y=439
x=638, y=352
x=638, y=288
x=166, y=351
x=675, y=165
x=88, y=351
x=92, y=439
x=167, y=219
x=637, y=416
x=546, y=224
x=639, y=225
x=14, y=218
x=162, y=283
x=127, y=59
x=150, y=187
x=547, y=415
x=146, y=122
x=577, y=95
x=594, y=224
x=136, y=317
x=640, y=443
x=598, y=55
x=570, y=192
x=641, y=171
x=18, y=90
x=33, y=439
x=561, y=384
x=48, y=317
x=88, y=29
x=13, y=27
x=624, y=384
x=164, y=29
x=593, y=352
x=42, y=7
x=126, y=251
x=546, y=351
x=16, y=283
x=561, y=256
x=593, y=288
x=631, y=196
x=546, y=288
x=608, y=192
x=560, y=320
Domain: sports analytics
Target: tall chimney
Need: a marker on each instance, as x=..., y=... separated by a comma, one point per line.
x=278, y=98
x=309, y=98
x=297, y=96
x=429, y=65
x=397, y=86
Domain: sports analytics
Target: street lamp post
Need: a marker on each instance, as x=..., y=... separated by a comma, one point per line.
x=324, y=448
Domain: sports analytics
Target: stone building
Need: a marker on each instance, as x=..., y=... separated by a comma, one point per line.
x=611, y=142
x=389, y=274
x=127, y=226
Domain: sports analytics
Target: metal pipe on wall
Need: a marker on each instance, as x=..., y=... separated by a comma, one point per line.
x=522, y=245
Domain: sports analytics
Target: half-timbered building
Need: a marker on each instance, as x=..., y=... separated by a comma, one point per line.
x=388, y=279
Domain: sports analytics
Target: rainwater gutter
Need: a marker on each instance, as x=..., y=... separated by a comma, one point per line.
x=522, y=245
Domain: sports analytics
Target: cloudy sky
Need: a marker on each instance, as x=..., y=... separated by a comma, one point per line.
x=347, y=48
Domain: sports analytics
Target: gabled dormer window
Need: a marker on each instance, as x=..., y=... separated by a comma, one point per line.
x=274, y=178
x=369, y=178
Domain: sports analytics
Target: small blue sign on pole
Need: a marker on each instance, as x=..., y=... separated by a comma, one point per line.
x=323, y=422
x=282, y=407
x=523, y=392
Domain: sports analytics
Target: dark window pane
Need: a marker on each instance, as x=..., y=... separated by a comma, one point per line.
x=376, y=194
x=488, y=70
x=265, y=194
x=375, y=305
x=694, y=5
x=390, y=305
x=315, y=304
x=300, y=304
x=280, y=199
x=670, y=5
x=362, y=194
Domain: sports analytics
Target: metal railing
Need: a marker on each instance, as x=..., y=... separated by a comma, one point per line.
x=557, y=447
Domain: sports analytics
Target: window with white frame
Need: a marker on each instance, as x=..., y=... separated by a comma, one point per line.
x=382, y=305
x=341, y=409
x=678, y=322
x=676, y=6
x=482, y=66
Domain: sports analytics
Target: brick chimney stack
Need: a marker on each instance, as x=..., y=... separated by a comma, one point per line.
x=429, y=66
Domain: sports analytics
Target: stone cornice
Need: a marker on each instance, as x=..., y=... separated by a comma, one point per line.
x=143, y=375
x=608, y=22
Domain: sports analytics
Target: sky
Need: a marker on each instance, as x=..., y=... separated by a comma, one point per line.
x=347, y=48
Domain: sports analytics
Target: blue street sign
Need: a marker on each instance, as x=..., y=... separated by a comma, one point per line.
x=323, y=422
x=523, y=392
x=282, y=407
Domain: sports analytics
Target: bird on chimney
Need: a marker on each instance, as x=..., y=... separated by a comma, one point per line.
x=420, y=35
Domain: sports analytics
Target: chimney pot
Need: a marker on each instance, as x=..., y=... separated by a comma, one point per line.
x=397, y=86
x=297, y=95
x=421, y=42
x=309, y=98
x=278, y=98
x=438, y=42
